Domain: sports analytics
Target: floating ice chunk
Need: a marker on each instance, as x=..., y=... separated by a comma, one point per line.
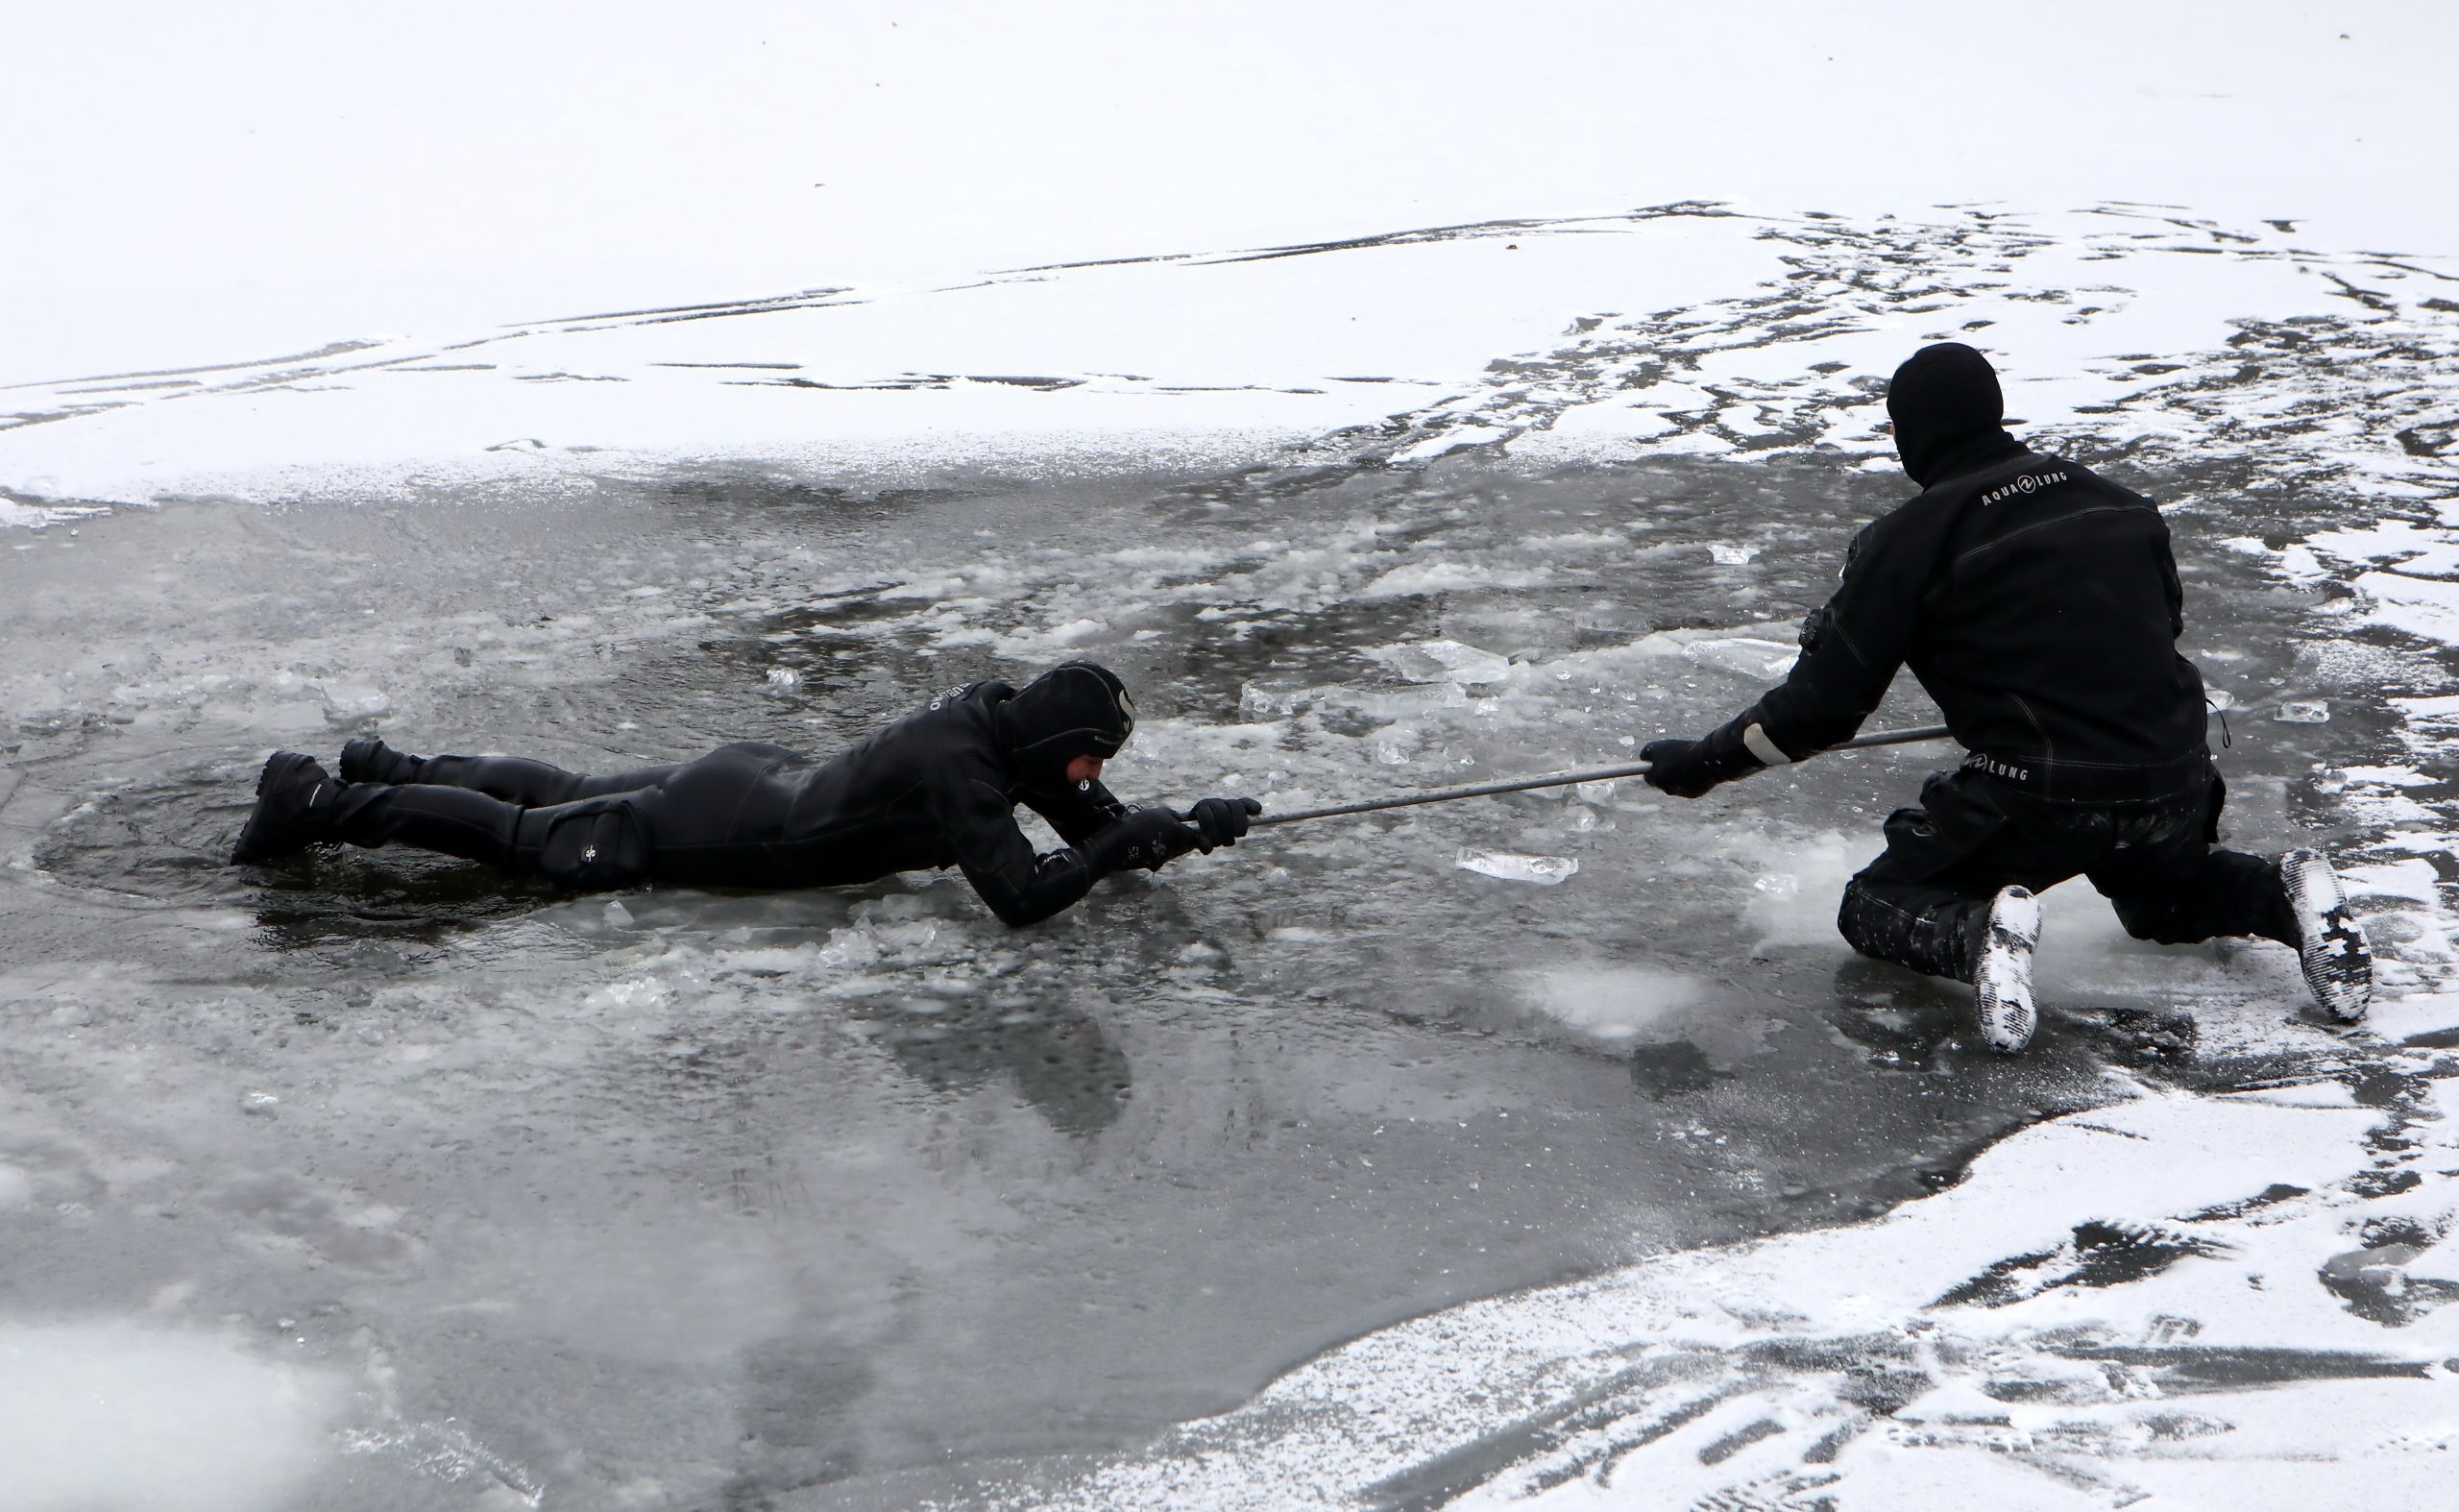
x=259, y=1104
x=784, y=677
x=1257, y=704
x=2219, y=698
x=1404, y=703
x=1450, y=576
x=1610, y=1002
x=1441, y=661
x=1730, y=553
x=639, y=992
x=2314, y=712
x=848, y=947
x=1745, y=655
x=347, y=706
x=1545, y=870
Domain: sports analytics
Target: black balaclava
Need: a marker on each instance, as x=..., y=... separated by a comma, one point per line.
x=1075, y=709
x=1945, y=403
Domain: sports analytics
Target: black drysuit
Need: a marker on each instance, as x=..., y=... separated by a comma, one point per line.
x=2039, y=605
x=935, y=789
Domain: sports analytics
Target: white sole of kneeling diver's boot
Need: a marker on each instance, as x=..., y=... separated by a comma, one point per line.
x=2331, y=950
x=2002, y=980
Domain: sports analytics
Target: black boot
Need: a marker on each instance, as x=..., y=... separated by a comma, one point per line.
x=294, y=809
x=452, y=822
x=368, y=759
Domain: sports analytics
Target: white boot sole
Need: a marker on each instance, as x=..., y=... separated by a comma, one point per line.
x=2331, y=950
x=2002, y=985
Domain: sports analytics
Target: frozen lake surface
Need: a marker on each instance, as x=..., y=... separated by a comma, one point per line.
x=1417, y=1157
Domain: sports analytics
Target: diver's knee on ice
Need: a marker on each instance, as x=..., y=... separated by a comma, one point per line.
x=590, y=847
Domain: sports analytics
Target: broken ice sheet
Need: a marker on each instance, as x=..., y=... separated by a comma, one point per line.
x=1443, y=661
x=1257, y=705
x=1730, y=555
x=1511, y=866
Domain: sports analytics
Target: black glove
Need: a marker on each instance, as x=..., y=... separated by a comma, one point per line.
x=1147, y=837
x=1688, y=769
x=1222, y=820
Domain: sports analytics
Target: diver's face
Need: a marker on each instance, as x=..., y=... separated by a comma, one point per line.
x=1084, y=769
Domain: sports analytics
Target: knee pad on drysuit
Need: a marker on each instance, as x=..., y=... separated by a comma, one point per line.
x=589, y=847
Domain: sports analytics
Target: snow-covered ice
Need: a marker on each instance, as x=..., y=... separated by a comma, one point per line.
x=2223, y=1301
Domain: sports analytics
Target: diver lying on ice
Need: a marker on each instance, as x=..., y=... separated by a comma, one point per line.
x=2039, y=605
x=937, y=788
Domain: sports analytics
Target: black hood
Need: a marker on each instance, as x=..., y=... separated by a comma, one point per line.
x=1075, y=709
x=1947, y=410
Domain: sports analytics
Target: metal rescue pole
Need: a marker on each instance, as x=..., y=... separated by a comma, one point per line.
x=1561, y=779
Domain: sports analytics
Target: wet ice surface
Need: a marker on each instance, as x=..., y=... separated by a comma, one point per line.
x=453, y=1196
x=676, y=1192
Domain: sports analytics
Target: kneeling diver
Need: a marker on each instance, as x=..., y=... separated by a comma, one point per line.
x=2040, y=606
x=937, y=788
